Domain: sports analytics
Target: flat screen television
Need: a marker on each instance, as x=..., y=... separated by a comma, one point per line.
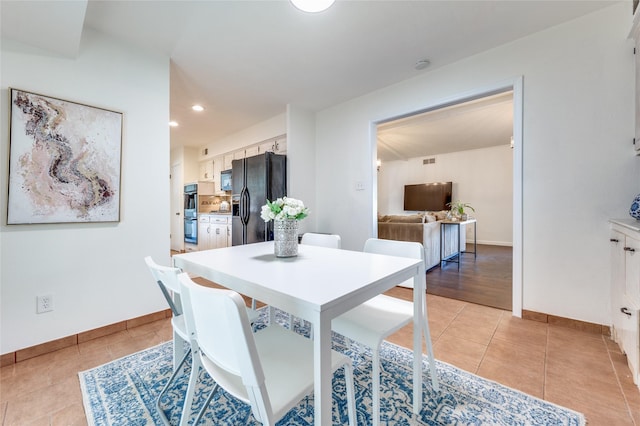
x=427, y=196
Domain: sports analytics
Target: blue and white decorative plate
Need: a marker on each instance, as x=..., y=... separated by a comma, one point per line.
x=634, y=211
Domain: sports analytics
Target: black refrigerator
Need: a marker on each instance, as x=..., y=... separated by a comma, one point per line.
x=254, y=181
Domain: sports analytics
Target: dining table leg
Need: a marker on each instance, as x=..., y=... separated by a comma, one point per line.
x=323, y=373
x=418, y=316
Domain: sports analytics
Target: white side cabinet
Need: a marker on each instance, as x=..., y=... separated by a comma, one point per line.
x=625, y=290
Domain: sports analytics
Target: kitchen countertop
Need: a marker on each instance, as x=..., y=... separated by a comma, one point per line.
x=627, y=223
x=218, y=213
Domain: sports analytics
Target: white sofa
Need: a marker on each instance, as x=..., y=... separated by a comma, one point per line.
x=416, y=228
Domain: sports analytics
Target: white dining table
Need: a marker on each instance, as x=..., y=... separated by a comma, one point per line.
x=317, y=285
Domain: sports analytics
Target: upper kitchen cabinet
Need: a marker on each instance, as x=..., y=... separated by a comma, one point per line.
x=276, y=145
x=206, y=171
x=218, y=164
x=250, y=151
x=230, y=156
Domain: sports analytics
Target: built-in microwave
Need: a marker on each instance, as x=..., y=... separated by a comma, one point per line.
x=225, y=180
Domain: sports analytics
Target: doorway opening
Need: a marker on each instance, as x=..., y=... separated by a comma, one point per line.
x=473, y=141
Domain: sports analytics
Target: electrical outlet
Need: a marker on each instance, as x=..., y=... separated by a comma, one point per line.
x=44, y=303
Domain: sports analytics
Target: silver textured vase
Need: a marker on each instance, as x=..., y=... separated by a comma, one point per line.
x=285, y=238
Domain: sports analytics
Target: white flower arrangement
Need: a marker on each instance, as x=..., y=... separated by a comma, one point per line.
x=284, y=208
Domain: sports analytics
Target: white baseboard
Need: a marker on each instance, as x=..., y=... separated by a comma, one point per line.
x=492, y=243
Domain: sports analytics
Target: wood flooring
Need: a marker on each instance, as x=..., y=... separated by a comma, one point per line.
x=484, y=280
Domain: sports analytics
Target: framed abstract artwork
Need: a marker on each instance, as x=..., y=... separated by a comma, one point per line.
x=64, y=161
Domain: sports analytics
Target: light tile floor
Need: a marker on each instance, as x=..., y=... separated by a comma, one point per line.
x=579, y=370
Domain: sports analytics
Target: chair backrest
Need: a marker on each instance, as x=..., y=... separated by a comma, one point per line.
x=225, y=337
x=167, y=279
x=395, y=248
x=322, y=240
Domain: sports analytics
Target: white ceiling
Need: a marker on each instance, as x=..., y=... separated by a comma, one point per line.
x=478, y=123
x=246, y=60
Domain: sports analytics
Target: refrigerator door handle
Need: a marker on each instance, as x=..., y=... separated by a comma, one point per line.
x=244, y=206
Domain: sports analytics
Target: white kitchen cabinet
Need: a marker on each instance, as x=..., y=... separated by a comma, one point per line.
x=204, y=241
x=206, y=171
x=228, y=158
x=214, y=231
x=218, y=162
x=220, y=230
x=277, y=146
x=625, y=290
x=205, y=188
x=220, y=235
x=251, y=151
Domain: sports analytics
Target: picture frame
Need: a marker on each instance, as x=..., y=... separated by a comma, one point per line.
x=64, y=161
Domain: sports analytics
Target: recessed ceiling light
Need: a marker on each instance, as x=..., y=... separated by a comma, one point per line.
x=197, y=108
x=173, y=123
x=312, y=6
x=422, y=64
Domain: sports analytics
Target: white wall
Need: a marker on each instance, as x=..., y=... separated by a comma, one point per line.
x=301, y=129
x=577, y=159
x=481, y=177
x=95, y=272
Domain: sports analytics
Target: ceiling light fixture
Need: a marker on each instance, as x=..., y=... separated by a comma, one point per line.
x=312, y=6
x=422, y=64
x=173, y=123
x=197, y=108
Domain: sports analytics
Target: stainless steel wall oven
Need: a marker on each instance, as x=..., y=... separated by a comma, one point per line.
x=191, y=213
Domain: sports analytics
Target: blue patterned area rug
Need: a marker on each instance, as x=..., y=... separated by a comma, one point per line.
x=123, y=392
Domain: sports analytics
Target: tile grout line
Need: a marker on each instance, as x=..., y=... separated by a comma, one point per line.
x=486, y=349
x=615, y=373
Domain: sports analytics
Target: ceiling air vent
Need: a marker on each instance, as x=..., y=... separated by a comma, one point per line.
x=429, y=161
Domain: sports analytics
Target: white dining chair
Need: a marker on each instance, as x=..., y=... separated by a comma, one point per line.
x=167, y=280
x=271, y=370
x=381, y=316
x=320, y=240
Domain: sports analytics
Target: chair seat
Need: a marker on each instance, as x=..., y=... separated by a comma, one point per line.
x=283, y=354
x=179, y=327
x=177, y=322
x=375, y=319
